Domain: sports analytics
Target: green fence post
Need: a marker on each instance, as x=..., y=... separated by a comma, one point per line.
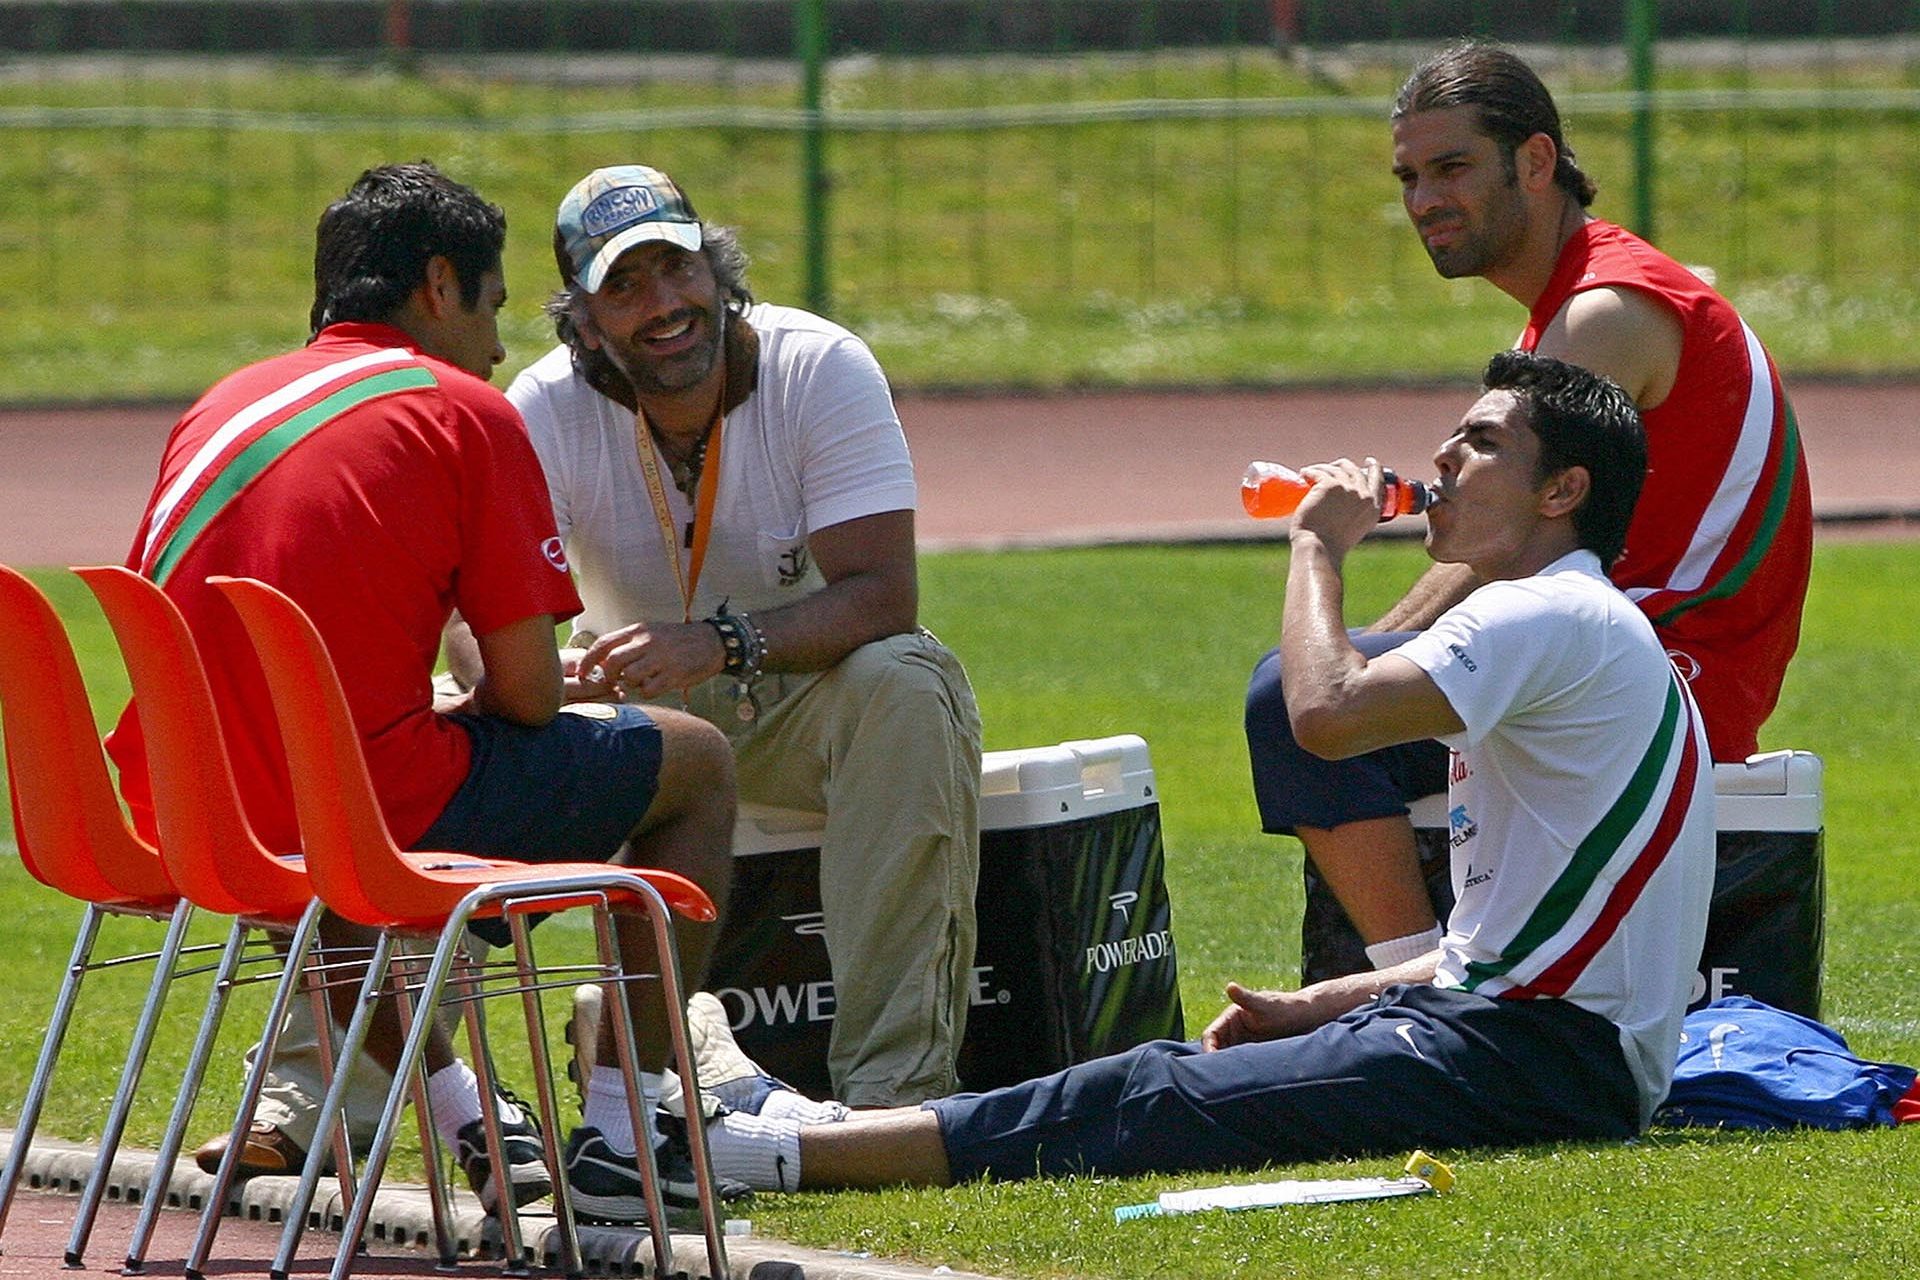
x=47, y=29
x=810, y=47
x=1230, y=239
x=1064, y=169
x=133, y=278
x=1643, y=28
x=220, y=164
x=977, y=47
x=1829, y=172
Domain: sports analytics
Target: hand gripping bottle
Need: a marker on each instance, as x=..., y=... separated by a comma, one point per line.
x=1270, y=491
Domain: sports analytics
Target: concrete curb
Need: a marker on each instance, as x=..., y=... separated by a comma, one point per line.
x=402, y=1215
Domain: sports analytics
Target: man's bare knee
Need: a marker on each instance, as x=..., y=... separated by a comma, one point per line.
x=689, y=826
x=696, y=766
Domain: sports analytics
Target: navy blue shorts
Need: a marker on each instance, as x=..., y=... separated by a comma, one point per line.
x=1294, y=787
x=1415, y=1067
x=570, y=791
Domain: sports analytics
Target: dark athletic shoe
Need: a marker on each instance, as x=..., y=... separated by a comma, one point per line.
x=520, y=1142
x=606, y=1185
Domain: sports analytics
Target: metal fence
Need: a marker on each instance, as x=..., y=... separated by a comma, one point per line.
x=162, y=162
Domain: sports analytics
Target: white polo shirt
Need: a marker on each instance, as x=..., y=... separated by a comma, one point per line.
x=1580, y=807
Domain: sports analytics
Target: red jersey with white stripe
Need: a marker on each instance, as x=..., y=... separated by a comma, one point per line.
x=381, y=489
x=1722, y=542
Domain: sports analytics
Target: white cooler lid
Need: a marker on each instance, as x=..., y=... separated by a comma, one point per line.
x=1035, y=786
x=1028, y=787
x=1772, y=791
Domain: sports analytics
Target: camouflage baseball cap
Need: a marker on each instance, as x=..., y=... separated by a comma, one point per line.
x=611, y=210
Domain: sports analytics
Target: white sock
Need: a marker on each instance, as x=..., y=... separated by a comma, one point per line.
x=763, y=1153
x=454, y=1094
x=1384, y=955
x=606, y=1108
x=782, y=1104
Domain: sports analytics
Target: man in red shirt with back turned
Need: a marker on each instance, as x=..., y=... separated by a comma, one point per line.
x=1721, y=544
x=376, y=478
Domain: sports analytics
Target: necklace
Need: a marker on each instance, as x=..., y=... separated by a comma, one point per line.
x=686, y=471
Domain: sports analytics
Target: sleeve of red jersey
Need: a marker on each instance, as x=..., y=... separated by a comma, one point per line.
x=512, y=563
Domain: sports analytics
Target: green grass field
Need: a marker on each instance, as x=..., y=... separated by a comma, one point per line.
x=1158, y=642
x=156, y=220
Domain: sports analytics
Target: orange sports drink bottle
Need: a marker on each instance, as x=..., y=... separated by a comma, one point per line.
x=1270, y=491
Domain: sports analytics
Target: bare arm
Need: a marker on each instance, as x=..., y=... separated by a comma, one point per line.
x=1625, y=334
x=872, y=591
x=1252, y=1016
x=518, y=671
x=1440, y=588
x=1339, y=703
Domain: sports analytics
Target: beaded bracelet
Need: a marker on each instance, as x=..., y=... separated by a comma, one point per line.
x=743, y=646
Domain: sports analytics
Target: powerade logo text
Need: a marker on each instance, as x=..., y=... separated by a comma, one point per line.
x=1105, y=957
x=1714, y=984
x=789, y=1003
x=785, y=1004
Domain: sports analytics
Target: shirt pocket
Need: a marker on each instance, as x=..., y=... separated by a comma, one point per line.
x=786, y=563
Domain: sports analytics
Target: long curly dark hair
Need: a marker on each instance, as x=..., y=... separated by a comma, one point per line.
x=720, y=246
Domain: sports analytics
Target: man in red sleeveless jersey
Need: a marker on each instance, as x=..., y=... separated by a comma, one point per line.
x=1719, y=549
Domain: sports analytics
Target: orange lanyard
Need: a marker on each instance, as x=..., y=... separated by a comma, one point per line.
x=688, y=575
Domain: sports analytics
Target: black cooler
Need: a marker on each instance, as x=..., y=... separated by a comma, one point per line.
x=1076, y=953
x=1766, y=925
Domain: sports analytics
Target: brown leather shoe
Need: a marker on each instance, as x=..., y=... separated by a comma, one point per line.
x=268, y=1153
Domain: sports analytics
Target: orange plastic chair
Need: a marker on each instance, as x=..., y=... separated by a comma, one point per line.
x=73, y=837
x=210, y=852
x=359, y=871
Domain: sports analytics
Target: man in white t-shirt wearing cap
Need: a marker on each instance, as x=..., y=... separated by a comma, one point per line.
x=735, y=494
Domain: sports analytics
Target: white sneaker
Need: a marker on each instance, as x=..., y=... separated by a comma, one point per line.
x=740, y=1082
x=716, y=1054
x=729, y=1079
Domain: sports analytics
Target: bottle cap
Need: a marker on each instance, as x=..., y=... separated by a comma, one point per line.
x=1430, y=1171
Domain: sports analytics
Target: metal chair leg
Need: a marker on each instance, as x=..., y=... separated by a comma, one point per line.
x=442, y=1210
x=155, y=1196
x=627, y=1051
x=350, y=1048
x=570, y=1257
x=513, y=1249
x=293, y=974
x=674, y=997
x=321, y=1014
x=410, y=1054
x=143, y=1032
x=43, y=1066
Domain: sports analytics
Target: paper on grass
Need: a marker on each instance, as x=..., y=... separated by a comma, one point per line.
x=1424, y=1175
